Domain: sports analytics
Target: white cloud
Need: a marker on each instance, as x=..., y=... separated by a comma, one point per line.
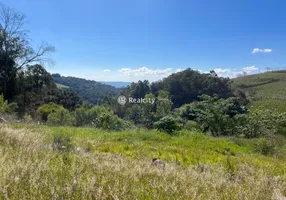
x=267, y=50
x=202, y=71
x=145, y=73
x=250, y=69
x=257, y=50
x=106, y=70
x=220, y=70
x=179, y=70
x=231, y=73
x=224, y=72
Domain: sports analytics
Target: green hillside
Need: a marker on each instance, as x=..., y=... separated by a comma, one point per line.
x=266, y=90
x=90, y=91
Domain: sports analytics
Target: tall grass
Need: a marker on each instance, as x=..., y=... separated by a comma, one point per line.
x=266, y=86
x=30, y=168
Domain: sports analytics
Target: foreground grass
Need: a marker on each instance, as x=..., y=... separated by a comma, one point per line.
x=110, y=165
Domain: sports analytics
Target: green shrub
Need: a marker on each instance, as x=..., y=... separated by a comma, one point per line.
x=3, y=104
x=192, y=125
x=265, y=147
x=282, y=129
x=5, y=107
x=261, y=123
x=99, y=117
x=47, y=109
x=27, y=118
x=168, y=124
x=213, y=114
x=61, y=117
x=81, y=117
x=270, y=145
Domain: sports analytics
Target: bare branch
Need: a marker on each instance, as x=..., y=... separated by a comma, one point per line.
x=12, y=21
x=42, y=55
x=14, y=43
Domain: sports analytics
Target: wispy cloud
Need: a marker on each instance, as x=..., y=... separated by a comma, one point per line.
x=225, y=72
x=106, y=70
x=250, y=69
x=220, y=70
x=179, y=70
x=231, y=73
x=146, y=73
x=257, y=50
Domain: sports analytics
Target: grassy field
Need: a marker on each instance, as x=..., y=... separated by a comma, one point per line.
x=61, y=86
x=266, y=90
x=41, y=162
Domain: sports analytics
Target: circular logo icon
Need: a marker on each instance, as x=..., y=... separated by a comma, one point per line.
x=121, y=100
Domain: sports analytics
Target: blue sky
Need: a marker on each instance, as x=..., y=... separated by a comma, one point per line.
x=128, y=40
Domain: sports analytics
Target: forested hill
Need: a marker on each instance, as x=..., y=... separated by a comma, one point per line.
x=88, y=90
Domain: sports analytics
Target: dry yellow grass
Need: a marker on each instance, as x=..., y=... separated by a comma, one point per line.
x=31, y=169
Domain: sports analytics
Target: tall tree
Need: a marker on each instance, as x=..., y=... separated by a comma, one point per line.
x=15, y=49
x=185, y=87
x=34, y=87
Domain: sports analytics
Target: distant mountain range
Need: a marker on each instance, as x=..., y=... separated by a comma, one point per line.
x=118, y=84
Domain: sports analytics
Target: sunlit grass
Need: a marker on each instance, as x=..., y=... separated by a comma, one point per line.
x=265, y=86
x=117, y=165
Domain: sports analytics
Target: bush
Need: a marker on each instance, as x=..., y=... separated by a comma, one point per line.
x=47, y=109
x=265, y=147
x=61, y=117
x=27, y=118
x=273, y=145
x=99, y=117
x=192, y=125
x=5, y=107
x=3, y=104
x=261, y=123
x=110, y=121
x=282, y=129
x=168, y=124
x=81, y=115
x=214, y=115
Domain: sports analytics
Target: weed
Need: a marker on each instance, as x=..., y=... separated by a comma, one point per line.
x=62, y=143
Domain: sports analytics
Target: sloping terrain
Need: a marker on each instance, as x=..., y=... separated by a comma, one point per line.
x=266, y=90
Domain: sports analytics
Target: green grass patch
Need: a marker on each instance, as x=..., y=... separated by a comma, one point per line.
x=61, y=86
x=186, y=149
x=117, y=165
